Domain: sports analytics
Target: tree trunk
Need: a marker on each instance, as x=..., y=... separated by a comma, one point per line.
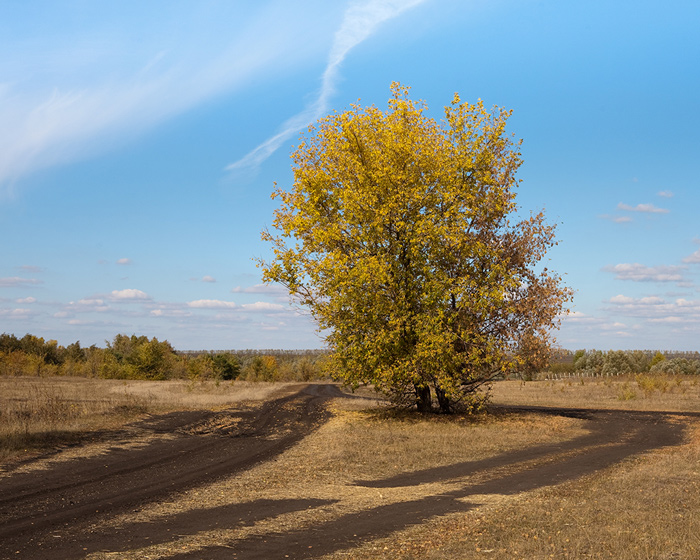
x=443, y=401
x=423, y=398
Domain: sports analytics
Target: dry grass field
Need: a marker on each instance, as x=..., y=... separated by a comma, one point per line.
x=641, y=508
x=634, y=392
x=38, y=413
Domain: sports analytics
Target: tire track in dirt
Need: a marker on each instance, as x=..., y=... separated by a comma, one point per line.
x=45, y=513
x=615, y=436
x=48, y=514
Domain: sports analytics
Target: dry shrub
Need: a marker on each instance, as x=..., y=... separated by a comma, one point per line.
x=650, y=383
x=626, y=393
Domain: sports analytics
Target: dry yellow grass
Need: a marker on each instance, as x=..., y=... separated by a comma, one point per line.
x=358, y=443
x=642, y=508
x=644, y=392
x=37, y=413
x=645, y=508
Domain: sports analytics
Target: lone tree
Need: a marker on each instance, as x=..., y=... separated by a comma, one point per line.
x=398, y=236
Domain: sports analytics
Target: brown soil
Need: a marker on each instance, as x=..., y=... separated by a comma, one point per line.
x=52, y=512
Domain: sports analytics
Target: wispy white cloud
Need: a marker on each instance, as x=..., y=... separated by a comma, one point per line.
x=79, y=91
x=209, y=279
x=124, y=261
x=27, y=300
x=263, y=306
x=31, y=268
x=657, y=309
x=616, y=219
x=268, y=289
x=16, y=282
x=665, y=194
x=211, y=304
x=644, y=208
x=637, y=272
x=20, y=313
x=360, y=21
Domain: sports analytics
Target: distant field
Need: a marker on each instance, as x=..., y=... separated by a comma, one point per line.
x=633, y=392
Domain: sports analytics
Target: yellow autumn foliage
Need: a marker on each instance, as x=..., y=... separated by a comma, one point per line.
x=397, y=235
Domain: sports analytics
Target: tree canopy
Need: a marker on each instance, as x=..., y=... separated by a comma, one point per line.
x=401, y=235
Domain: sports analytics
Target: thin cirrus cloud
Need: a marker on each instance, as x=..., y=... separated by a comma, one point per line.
x=18, y=282
x=616, y=219
x=644, y=208
x=360, y=21
x=76, y=92
x=211, y=304
x=637, y=272
x=263, y=306
x=222, y=304
x=267, y=289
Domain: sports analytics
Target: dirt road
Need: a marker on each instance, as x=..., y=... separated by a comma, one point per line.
x=49, y=513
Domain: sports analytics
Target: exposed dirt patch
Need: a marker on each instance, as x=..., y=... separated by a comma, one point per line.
x=63, y=510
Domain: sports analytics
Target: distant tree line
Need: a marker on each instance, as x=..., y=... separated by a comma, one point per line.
x=138, y=357
x=624, y=362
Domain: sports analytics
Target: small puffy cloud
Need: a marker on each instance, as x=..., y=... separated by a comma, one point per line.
x=645, y=208
x=665, y=194
x=656, y=309
x=211, y=304
x=124, y=261
x=693, y=259
x=169, y=310
x=86, y=305
x=637, y=272
x=575, y=316
x=208, y=279
x=19, y=313
x=90, y=301
x=17, y=282
x=621, y=300
x=129, y=294
x=26, y=300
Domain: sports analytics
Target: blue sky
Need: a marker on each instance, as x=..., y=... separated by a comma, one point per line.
x=139, y=144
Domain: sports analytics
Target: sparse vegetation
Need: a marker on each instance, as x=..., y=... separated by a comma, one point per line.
x=43, y=413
